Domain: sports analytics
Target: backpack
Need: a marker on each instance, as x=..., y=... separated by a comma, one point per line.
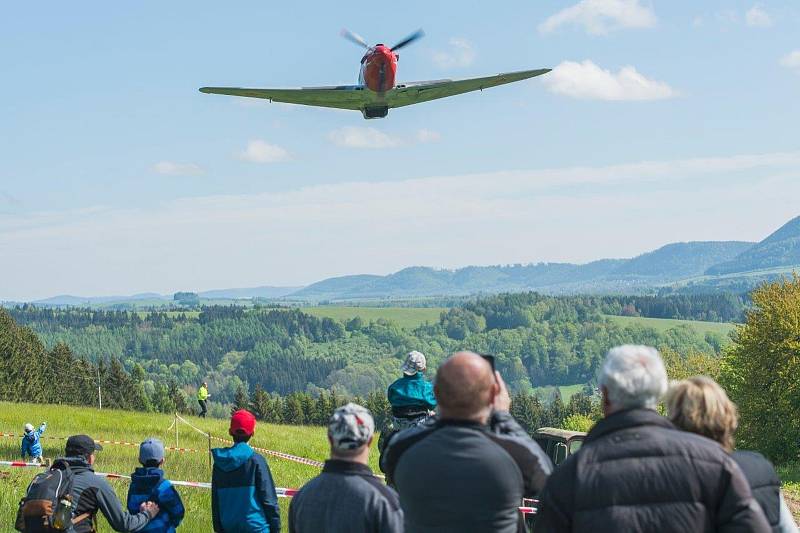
x=42, y=499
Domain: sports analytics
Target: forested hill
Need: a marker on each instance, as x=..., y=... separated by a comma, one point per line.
x=672, y=262
x=780, y=249
x=538, y=340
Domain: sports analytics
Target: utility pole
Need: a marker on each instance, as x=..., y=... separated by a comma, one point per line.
x=99, y=392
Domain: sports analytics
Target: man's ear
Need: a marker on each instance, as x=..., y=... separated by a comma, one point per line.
x=369, y=442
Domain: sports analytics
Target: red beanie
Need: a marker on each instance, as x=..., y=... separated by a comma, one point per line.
x=242, y=423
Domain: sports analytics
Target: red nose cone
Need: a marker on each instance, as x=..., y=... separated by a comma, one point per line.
x=380, y=67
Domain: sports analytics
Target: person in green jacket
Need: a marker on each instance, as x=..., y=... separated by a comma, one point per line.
x=202, y=396
x=411, y=396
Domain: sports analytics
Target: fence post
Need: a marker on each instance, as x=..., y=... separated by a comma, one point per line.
x=210, y=464
x=176, y=430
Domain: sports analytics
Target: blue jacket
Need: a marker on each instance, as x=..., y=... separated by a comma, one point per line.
x=412, y=391
x=30, y=442
x=149, y=484
x=243, y=498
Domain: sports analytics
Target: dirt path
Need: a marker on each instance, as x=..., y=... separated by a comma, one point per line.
x=793, y=501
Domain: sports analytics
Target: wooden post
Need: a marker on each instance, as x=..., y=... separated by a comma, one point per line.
x=177, y=445
x=210, y=464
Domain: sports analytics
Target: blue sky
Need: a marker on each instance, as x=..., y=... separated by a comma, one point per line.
x=662, y=121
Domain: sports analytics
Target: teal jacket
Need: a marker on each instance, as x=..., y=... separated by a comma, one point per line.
x=412, y=391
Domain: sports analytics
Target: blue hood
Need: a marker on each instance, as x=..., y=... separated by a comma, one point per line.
x=229, y=459
x=147, y=478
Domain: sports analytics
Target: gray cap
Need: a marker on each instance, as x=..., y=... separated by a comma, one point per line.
x=415, y=362
x=151, y=449
x=350, y=427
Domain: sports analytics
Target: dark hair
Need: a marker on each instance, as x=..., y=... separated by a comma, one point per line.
x=151, y=463
x=239, y=437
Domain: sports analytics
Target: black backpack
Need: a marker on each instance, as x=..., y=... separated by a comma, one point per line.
x=36, y=509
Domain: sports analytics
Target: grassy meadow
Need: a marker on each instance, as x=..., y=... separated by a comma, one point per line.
x=63, y=421
x=405, y=317
x=663, y=324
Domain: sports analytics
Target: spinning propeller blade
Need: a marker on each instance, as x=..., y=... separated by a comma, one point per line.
x=354, y=38
x=408, y=40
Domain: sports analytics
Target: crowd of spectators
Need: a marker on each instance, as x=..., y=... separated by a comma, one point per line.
x=469, y=467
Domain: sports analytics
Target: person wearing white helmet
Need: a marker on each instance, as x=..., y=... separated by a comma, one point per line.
x=31, y=445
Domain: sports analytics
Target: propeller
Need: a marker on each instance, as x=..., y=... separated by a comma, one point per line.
x=354, y=38
x=408, y=40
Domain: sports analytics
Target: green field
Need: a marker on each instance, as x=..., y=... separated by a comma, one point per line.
x=567, y=391
x=310, y=442
x=663, y=324
x=405, y=317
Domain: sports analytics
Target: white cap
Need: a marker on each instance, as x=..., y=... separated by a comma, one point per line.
x=415, y=362
x=28, y=427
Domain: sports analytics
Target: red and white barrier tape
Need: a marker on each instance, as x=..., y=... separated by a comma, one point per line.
x=103, y=441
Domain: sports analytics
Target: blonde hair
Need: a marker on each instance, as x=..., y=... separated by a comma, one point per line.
x=699, y=405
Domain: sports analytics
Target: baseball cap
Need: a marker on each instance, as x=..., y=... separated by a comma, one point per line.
x=28, y=427
x=415, y=362
x=81, y=445
x=242, y=423
x=350, y=427
x=151, y=450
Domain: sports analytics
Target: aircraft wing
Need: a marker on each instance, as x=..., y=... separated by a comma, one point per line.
x=423, y=91
x=341, y=97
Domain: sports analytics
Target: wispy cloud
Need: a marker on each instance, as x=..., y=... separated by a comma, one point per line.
x=428, y=136
x=362, y=137
x=600, y=17
x=588, y=81
x=791, y=60
x=459, y=54
x=305, y=234
x=171, y=168
x=757, y=17
x=260, y=151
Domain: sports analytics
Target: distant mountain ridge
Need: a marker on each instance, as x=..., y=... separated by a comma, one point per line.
x=683, y=266
x=780, y=249
x=669, y=263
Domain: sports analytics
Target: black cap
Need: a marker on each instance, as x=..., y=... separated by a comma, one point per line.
x=81, y=445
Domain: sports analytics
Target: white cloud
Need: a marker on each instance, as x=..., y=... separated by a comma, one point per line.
x=260, y=151
x=599, y=17
x=170, y=168
x=590, y=82
x=428, y=136
x=362, y=137
x=757, y=17
x=302, y=235
x=791, y=60
x=459, y=55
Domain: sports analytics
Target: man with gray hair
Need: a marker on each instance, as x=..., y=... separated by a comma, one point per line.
x=346, y=497
x=638, y=472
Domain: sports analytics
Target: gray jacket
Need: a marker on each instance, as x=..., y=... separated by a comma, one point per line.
x=455, y=476
x=91, y=493
x=345, y=498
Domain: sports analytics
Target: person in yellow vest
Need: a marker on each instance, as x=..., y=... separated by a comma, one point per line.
x=202, y=396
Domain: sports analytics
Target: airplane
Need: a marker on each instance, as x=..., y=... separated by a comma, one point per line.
x=376, y=91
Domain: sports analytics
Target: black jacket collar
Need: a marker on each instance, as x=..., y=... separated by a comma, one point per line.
x=347, y=468
x=627, y=419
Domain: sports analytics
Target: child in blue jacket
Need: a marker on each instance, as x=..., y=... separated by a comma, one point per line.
x=31, y=446
x=149, y=484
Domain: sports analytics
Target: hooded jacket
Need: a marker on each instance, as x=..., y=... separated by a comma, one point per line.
x=31, y=445
x=637, y=472
x=243, y=498
x=412, y=391
x=91, y=493
x=149, y=484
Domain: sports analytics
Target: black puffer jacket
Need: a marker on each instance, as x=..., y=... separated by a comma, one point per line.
x=637, y=472
x=764, y=482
